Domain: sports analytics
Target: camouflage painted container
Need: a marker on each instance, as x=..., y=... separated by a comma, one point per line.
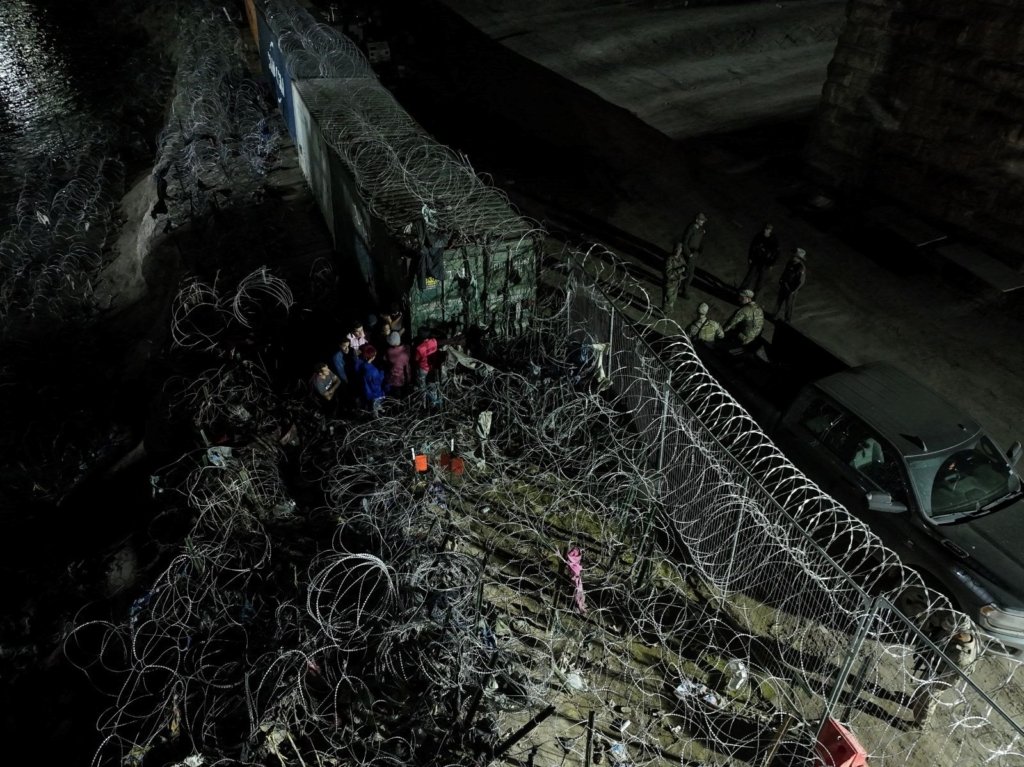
x=491, y=285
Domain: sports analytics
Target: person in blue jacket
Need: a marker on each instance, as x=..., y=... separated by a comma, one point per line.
x=374, y=387
x=343, y=363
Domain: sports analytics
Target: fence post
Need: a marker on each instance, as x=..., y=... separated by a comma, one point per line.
x=864, y=622
x=665, y=395
x=732, y=549
x=611, y=336
x=780, y=733
x=642, y=557
x=589, y=755
x=858, y=685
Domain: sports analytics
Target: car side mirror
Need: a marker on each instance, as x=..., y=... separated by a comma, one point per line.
x=1014, y=453
x=879, y=501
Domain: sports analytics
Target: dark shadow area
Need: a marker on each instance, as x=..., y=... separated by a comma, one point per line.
x=517, y=120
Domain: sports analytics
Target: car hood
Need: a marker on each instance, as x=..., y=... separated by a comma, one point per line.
x=994, y=545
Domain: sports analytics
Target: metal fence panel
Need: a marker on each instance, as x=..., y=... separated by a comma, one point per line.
x=793, y=585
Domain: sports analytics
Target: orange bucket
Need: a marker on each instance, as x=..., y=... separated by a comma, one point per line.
x=420, y=463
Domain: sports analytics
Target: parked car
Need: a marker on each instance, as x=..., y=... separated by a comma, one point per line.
x=920, y=472
x=926, y=478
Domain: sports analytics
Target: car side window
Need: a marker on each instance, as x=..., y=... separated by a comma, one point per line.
x=856, y=445
x=820, y=416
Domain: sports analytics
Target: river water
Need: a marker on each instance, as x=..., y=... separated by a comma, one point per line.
x=40, y=80
x=69, y=76
x=67, y=71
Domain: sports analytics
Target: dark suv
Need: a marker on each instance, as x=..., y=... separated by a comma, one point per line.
x=926, y=478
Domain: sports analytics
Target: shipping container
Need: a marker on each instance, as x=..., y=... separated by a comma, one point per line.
x=275, y=68
x=409, y=217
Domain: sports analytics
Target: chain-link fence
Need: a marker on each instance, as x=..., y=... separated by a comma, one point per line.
x=800, y=589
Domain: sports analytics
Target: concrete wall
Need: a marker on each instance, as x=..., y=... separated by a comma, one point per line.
x=924, y=102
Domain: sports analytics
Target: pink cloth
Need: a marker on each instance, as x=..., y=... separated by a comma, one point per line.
x=575, y=561
x=398, y=359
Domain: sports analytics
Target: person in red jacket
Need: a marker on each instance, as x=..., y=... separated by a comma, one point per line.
x=399, y=369
x=426, y=373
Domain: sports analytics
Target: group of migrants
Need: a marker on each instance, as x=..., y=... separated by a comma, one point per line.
x=373, y=363
x=743, y=329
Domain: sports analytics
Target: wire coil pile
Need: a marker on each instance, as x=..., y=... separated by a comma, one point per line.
x=331, y=605
x=220, y=139
x=622, y=540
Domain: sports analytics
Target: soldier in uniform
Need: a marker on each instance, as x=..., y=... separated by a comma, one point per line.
x=761, y=257
x=675, y=267
x=705, y=329
x=791, y=280
x=747, y=321
x=956, y=639
x=692, y=245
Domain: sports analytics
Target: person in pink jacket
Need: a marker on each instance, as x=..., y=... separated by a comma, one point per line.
x=399, y=369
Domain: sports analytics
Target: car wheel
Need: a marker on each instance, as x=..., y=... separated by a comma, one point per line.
x=921, y=602
x=914, y=601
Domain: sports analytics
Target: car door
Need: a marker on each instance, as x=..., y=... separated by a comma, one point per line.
x=823, y=432
x=848, y=459
x=809, y=421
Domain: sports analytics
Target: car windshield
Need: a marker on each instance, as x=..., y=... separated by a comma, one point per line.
x=962, y=480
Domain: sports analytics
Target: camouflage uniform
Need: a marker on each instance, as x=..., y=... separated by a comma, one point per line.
x=748, y=320
x=705, y=329
x=675, y=268
x=934, y=675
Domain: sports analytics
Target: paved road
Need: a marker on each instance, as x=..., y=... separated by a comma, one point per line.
x=683, y=70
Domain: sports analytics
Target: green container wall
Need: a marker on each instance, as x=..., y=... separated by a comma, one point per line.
x=493, y=286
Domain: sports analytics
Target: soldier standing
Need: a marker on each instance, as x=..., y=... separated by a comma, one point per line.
x=705, y=329
x=934, y=675
x=761, y=257
x=792, y=279
x=675, y=267
x=692, y=246
x=747, y=321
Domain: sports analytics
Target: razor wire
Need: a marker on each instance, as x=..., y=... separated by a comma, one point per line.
x=51, y=254
x=399, y=169
x=63, y=176
x=65, y=179
x=794, y=513
x=200, y=317
x=220, y=139
x=329, y=605
x=352, y=610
